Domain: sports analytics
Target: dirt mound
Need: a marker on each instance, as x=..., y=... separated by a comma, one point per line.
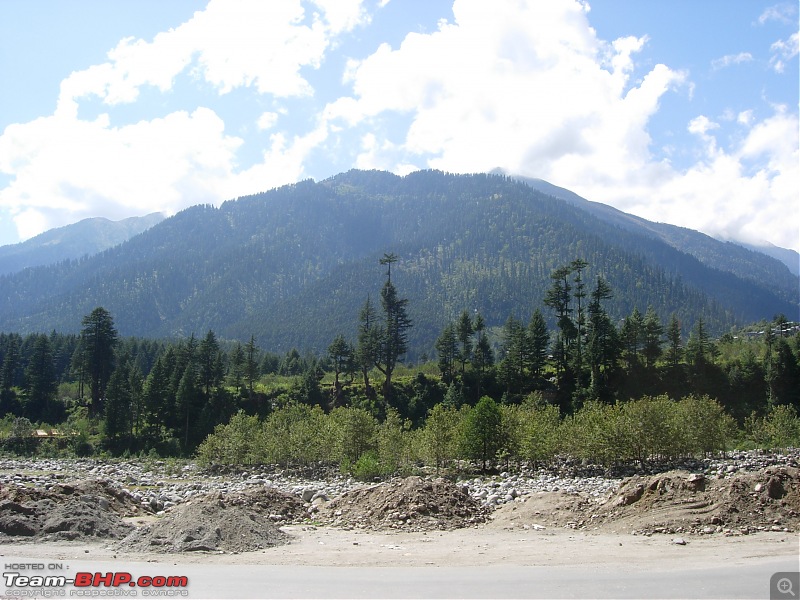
x=673, y=502
x=682, y=502
x=412, y=503
x=70, y=511
x=215, y=523
x=278, y=506
x=546, y=510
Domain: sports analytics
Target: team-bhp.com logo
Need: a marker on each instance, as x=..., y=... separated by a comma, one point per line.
x=30, y=584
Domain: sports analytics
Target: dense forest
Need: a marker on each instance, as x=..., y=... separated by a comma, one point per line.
x=293, y=265
x=98, y=392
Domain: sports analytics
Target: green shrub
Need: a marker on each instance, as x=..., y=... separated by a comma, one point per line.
x=367, y=467
x=779, y=429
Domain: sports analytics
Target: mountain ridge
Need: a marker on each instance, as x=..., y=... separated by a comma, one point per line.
x=693, y=241
x=86, y=237
x=293, y=265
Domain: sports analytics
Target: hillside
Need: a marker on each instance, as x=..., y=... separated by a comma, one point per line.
x=752, y=263
x=85, y=238
x=293, y=265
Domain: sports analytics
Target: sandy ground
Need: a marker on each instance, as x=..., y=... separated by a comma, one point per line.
x=482, y=546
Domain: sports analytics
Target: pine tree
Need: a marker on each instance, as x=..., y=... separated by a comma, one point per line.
x=236, y=366
x=342, y=358
x=98, y=341
x=652, y=334
x=464, y=332
x=674, y=342
x=40, y=382
x=539, y=341
x=211, y=366
x=698, y=347
x=368, y=348
x=8, y=376
x=514, y=349
x=632, y=337
x=119, y=408
x=603, y=342
x=446, y=352
x=558, y=297
x=395, y=331
x=483, y=432
x=188, y=401
x=482, y=357
x=251, y=369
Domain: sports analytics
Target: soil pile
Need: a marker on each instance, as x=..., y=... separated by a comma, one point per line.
x=67, y=511
x=217, y=523
x=278, y=506
x=410, y=504
x=673, y=502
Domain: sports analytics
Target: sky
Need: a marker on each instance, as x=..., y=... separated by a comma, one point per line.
x=678, y=111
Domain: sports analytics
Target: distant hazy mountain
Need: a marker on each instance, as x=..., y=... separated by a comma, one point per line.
x=86, y=237
x=748, y=261
x=293, y=266
x=787, y=256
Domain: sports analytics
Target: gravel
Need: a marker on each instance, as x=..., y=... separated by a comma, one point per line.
x=160, y=485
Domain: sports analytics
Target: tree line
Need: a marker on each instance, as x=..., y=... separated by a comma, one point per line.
x=132, y=396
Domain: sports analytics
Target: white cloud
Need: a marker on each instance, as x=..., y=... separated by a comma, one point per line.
x=232, y=43
x=70, y=169
x=524, y=86
x=745, y=117
x=731, y=59
x=783, y=51
x=530, y=88
x=64, y=168
x=747, y=192
x=284, y=162
x=784, y=13
x=267, y=120
x=702, y=125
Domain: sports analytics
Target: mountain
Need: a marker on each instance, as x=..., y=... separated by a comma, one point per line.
x=292, y=266
x=754, y=263
x=788, y=257
x=86, y=237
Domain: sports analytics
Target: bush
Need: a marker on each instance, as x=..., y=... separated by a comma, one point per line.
x=482, y=432
x=236, y=443
x=367, y=467
x=779, y=429
x=651, y=429
x=440, y=436
x=540, y=431
x=705, y=426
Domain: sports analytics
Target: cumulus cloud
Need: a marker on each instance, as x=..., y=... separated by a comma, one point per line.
x=530, y=88
x=743, y=192
x=65, y=168
x=509, y=85
x=230, y=44
x=527, y=86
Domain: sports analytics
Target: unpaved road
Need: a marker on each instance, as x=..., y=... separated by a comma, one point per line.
x=482, y=562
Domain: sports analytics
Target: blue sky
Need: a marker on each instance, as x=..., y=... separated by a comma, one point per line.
x=678, y=111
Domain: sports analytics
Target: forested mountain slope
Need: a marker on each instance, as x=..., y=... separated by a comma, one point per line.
x=761, y=265
x=292, y=266
x=86, y=237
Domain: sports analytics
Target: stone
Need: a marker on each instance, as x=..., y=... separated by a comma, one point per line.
x=775, y=488
x=679, y=541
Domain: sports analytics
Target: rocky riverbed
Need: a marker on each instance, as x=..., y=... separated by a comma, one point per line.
x=190, y=508
x=160, y=485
